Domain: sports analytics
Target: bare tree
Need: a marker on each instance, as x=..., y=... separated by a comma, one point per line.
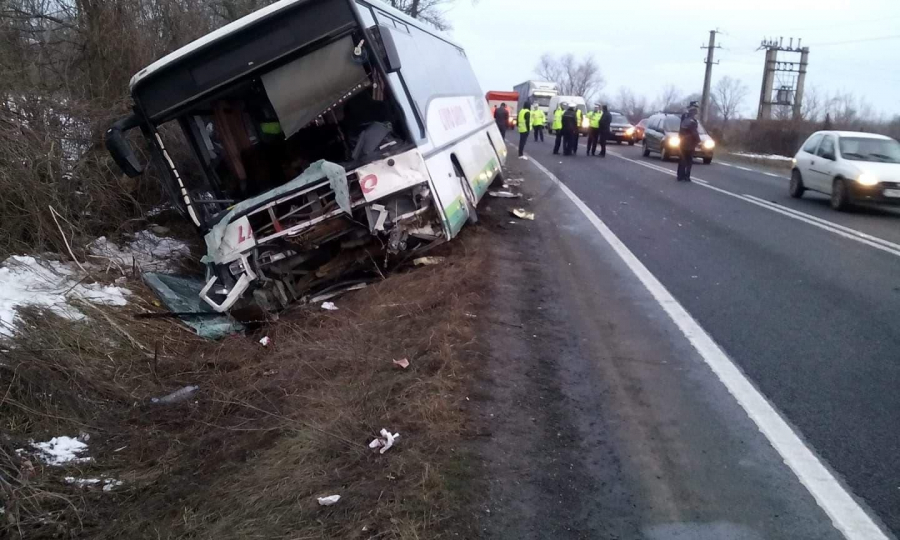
x=728, y=96
x=811, y=108
x=575, y=78
x=430, y=11
x=634, y=107
x=669, y=98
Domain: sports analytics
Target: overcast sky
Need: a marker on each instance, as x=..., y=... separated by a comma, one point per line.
x=647, y=44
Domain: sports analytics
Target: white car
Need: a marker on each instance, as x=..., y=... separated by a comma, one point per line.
x=849, y=166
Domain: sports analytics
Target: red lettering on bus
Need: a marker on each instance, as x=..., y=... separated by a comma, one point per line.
x=368, y=183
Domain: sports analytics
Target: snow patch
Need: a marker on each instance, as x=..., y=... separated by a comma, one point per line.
x=108, y=483
x=774, y=157
x=62, y=450
x=146, y=249
x=25, y=281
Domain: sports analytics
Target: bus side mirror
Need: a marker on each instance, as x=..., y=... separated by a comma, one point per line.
x=391, y=55
x=119, y=148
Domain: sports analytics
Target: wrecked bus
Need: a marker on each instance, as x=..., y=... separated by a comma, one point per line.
x=327, y=134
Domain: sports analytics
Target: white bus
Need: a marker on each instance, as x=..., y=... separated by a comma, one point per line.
x=324, y=132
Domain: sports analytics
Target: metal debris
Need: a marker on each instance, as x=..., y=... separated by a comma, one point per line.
x=428, y=261
x=521, y=213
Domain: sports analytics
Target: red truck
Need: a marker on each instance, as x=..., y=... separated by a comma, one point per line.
x=495, y=98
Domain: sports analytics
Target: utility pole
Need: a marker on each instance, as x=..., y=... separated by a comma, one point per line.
x=801, y=82
x=791, y=79
x=707, y=80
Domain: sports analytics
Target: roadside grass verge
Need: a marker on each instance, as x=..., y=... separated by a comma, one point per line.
x=270, y=428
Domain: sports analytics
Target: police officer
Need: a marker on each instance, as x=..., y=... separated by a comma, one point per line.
x=557, y=126
x=689, y=137
x=570, y=130
x=594, y=119
x=524, y=125
x=538, y=120
x=603, y=134
x=577, y=127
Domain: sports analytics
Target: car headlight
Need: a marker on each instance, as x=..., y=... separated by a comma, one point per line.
x=709, y=144
x=629, y=131
x=867, y=179
x=674, y=141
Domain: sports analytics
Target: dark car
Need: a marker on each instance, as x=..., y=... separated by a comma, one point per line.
x=621, y=130
x=661, y=136
x=639, y=130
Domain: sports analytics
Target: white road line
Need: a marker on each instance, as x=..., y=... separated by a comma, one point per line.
x=840, y=230
x=861, y=234
x=845, y=513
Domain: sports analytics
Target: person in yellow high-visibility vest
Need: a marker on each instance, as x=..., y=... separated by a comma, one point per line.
x=538, y=121
x=594, y=119
x=524, y=125
x=557, y=126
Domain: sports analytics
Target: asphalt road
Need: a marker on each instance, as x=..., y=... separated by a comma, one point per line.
x=805, y=300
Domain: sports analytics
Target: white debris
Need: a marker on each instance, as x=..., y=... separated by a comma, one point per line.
x=428, y=261
x=403, y=362
x=25, y=281
x=265, y=341
x=147, y=250
x=181, y=394
x=384, y=442
x=513, y=182
x=504, y=194
x=774, y=157
x=521, y=213
x=329, y=306
x=111, y=483
x=329, y=500
x=62, y=450
x=82, y=482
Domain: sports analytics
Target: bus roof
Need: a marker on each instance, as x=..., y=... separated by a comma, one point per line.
x=251, y=19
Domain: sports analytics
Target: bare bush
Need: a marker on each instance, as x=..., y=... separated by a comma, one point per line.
x=669, y=98
x=635, y=107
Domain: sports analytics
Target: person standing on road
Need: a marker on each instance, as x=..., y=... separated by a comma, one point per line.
x=603, y=132
x=689, y=138
x=501, y=116
x=594, y=119
x=539, y=120
x=524, y=125
x=557, y=126
x=569, y=131
x=577, y=130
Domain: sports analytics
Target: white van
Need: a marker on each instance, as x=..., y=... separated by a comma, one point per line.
x=324, y=132
x=579, y=104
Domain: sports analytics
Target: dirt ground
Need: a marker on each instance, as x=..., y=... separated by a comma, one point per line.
x=270, y=428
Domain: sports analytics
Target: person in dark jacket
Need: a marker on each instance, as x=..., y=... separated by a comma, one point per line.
x=501, y=116
x=569, y=131
x=603, y=135
x=689, y=136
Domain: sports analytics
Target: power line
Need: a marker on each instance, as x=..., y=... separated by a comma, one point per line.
x=882, y=38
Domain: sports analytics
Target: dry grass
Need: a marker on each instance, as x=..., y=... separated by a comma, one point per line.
x=271, y=428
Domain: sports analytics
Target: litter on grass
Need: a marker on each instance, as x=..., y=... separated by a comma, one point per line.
x=329, y=306
x=521, y=213
x=265, y=341
x=146, y=250
x=329, y=500
x=26, y=281
x=403, y=362
x=504, y=194
x=178, y=395
x=428, y=261
x=384, y=442
x=62, y=450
